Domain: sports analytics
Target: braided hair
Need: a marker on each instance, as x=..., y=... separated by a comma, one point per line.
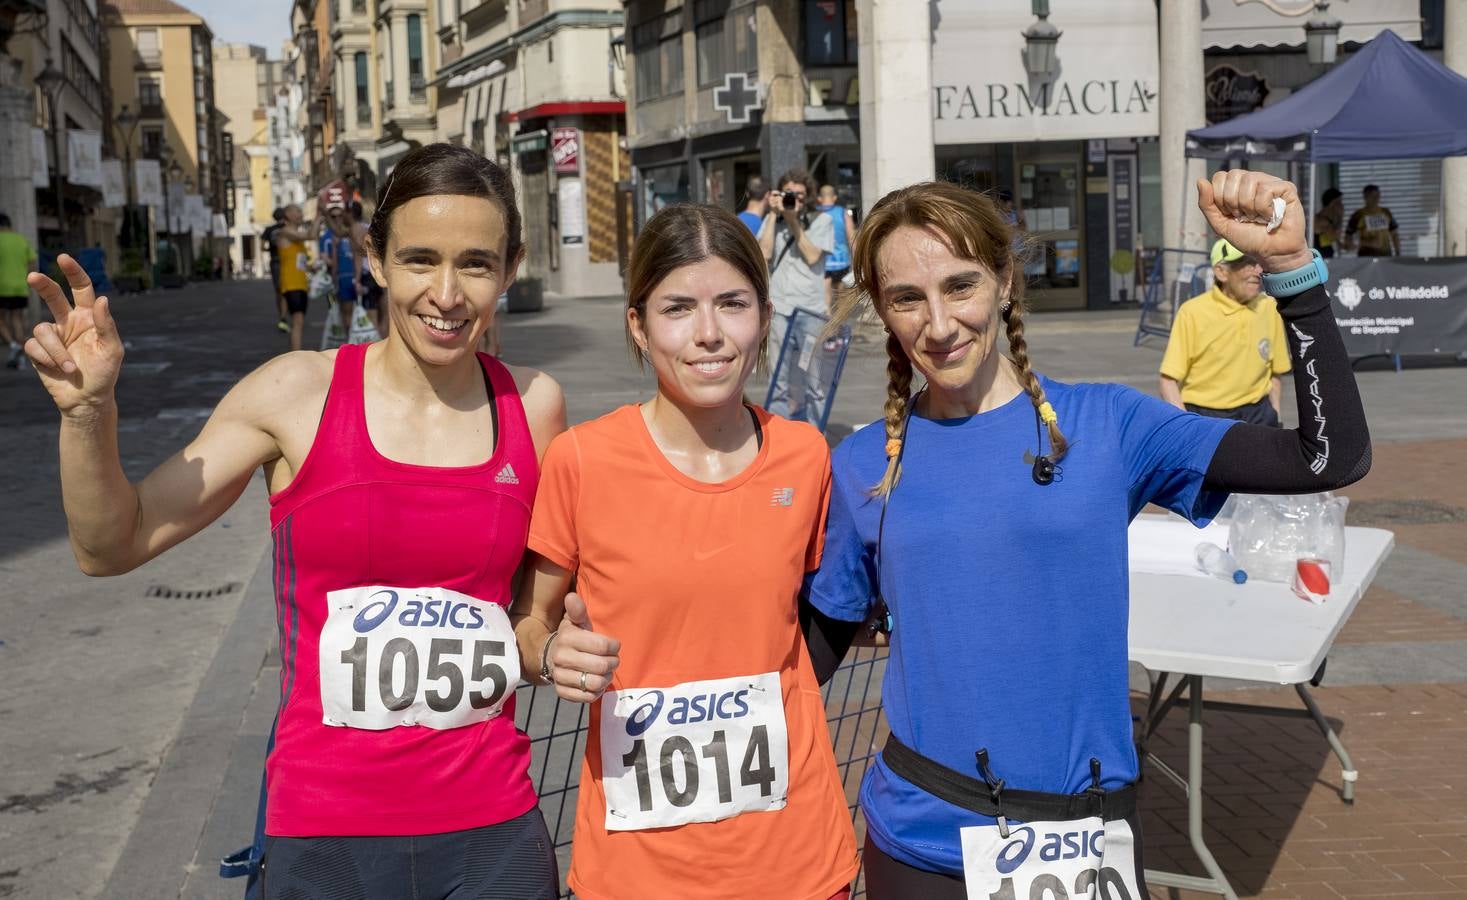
x=974, y=229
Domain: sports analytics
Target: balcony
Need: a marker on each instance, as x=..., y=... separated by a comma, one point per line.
x=151, y=109
x=417, y=89
x=147, y=62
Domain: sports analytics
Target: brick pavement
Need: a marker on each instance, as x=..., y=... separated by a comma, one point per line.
x=1272, y=814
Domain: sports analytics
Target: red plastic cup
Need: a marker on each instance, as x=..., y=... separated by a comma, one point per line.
x=1311, y=579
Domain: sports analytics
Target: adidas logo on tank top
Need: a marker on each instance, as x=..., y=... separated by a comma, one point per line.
x=506, y=475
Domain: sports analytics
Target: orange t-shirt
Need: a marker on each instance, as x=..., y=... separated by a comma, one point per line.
x=700, y=583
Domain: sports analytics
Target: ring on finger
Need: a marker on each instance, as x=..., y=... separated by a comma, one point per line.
x=583, y=681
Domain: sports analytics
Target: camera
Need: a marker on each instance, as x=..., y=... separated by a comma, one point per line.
x=790, y=199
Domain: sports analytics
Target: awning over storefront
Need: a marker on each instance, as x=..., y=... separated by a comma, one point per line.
x=1280, y=23
x=1389, y=101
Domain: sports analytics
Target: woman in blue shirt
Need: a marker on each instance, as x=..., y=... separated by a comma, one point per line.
x=989, y=514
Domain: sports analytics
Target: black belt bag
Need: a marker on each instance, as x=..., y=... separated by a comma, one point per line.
x=989, y=797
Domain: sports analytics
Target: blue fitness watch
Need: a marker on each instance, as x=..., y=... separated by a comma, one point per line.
x=1286, y=284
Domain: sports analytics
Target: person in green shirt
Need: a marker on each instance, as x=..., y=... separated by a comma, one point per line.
x=17, y=259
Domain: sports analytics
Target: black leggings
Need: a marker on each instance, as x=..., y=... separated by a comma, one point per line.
x=513, y=860
x=892, y=879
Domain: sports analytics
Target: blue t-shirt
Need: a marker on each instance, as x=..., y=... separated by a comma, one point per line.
x=839, y=259
x=1009, y=600
x=752, y=220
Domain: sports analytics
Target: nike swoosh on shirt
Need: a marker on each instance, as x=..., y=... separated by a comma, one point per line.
x=700, y=555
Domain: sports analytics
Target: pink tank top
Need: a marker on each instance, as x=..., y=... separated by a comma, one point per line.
x=397, y=677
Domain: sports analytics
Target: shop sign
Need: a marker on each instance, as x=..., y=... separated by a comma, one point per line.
x=565, y=150
x=571, y=205
x=528, y=142
x=1105, y=85
x=1231, y=93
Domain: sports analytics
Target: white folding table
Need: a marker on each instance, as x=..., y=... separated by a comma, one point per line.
x=1199, y=627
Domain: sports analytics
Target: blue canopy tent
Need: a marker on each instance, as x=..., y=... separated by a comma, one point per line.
x=1388, y=101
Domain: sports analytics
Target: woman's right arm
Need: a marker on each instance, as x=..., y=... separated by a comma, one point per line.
x=116, y=526
x=574, y=646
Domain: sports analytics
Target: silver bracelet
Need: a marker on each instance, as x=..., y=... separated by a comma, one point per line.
x=545, y=659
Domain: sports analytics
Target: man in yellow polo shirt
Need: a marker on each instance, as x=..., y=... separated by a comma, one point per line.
x=1227, y=347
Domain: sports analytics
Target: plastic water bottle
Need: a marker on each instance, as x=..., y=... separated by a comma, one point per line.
x=1217, y=562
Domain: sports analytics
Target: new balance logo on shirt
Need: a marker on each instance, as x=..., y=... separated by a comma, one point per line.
x=506, y=475
x=783, y=497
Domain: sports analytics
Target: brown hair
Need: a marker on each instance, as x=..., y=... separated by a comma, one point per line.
x=687, y=233
x=436, y=169
x=972, y=227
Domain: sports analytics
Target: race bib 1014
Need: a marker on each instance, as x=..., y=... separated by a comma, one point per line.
x=1083, y=858
x=700, y=751
x=414, y=656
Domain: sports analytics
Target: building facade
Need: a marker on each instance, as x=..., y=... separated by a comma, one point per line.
x=69, y=129
x=161, y=68
x=247, y=82
x=535, y=84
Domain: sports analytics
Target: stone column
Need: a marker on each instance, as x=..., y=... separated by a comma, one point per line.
x=1182, y=109
x=782, y=140
x=1454, y=168
x=895, y=68
x=17, y=194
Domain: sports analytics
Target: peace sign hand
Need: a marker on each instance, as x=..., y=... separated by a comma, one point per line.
x=78, y=355
x=1238, y=205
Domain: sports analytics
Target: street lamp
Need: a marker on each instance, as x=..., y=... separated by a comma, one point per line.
x=51, y=80
x=126, y=121
x=1040, y=40
x=1322, y=35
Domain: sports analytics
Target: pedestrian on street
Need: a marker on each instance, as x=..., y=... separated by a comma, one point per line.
x=796, y=241
x=1372, y=228
x=267, y=237
x=337, y=251
x=295, y=275
x=401, y=477
x=689, y=523
x=368, y=291
x=1329, y=223
x=843, y=224
x=1007, y=685
x=756, y=203
x=1226, y=355
x=17, y=260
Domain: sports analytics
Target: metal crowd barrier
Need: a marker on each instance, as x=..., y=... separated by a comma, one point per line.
x=557, y=730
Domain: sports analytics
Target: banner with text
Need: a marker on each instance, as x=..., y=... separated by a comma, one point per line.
x=1393, y=305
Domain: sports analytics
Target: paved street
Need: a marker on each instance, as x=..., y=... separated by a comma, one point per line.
x=133, y=710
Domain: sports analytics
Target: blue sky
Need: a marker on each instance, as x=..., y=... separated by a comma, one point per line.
x=263, y=22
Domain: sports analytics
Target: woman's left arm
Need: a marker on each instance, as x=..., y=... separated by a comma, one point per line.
x=1331, y=446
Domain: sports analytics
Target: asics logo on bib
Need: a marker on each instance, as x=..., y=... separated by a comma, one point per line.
x=1053, y=846
x=688, y=710
x=416, y=613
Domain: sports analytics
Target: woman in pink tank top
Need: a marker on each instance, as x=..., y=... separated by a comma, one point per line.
x=402, y=475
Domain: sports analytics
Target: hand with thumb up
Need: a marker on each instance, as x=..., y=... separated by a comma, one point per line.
x=581, y=661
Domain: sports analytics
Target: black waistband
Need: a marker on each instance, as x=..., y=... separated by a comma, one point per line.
x=977, y=796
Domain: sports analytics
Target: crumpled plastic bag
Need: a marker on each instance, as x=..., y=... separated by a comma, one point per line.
x=1268, y=535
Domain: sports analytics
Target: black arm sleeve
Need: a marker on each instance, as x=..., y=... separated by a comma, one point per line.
x=1331, y=446
x=828, y=639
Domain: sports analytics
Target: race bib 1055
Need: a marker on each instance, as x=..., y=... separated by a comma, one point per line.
x=414, y=656
x=1051, y=860
x=700, y=751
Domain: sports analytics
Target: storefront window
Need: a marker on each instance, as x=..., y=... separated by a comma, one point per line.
x=663, y=186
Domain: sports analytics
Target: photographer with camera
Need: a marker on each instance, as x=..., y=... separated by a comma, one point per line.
x=796, y=240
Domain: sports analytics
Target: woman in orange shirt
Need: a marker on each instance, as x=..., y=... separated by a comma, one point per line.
x=689, y=523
